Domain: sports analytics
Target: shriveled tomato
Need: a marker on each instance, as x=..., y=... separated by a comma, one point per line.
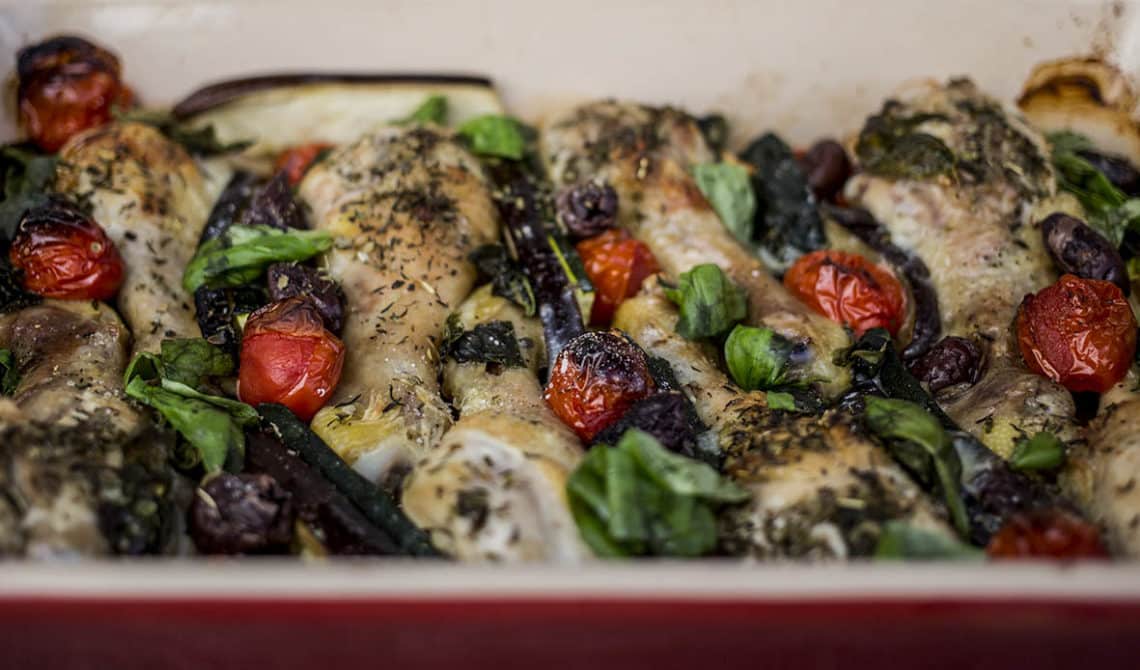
x=595, y=379
x=616, y=265
x=1079, y=332
x=1046, y=533
x=67, y=85
x=848, y=288
x=296, y=161
x=65, y=254
x=289, y=357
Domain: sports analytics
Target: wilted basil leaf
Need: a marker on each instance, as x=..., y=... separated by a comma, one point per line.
x=242, y=253
x=508, y=281
x=9, y=375
x=787, y=223
x=710, y=304
x=1043, y=451
x=491, y=342
x=26, y=176
x=889, y=145
x=494, y=135
x=1107, y=209
x=678, y=474
x=757, y=358
x=432, y=110
x=901, y=540
x=728, y=189
x=190, y=360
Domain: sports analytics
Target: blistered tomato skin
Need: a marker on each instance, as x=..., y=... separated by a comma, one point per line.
x=1046, y=533
x=595, y=379
x=65, y=254
x=67, y=85
x=1078, y=332
x=289, y=357
x=296, y=161
x=848, y=288
x=616, y=265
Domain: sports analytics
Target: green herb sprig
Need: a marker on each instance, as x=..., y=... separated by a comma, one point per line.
x=242, y=253
x=709, y=302
x=1107, y=209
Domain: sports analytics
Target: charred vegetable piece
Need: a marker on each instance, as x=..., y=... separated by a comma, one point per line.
x=1079, y=250
x=787, y=222
x=242, y=514
x=596, y=379
x=588, y=209
x=616, y=265
x=289, y=280
x=1046, y=533
x=827, y=167
x=1078, y=332
x=289, y=357
x=63, y=253
x=273, y=205
x=849, y=289
x=667, y=416
x=492, y=342
x=232, y=204
x=376, y=505
x=954, y=360
x=294, y=162
x=67, y=85
x=927, y=317
x=339, y=525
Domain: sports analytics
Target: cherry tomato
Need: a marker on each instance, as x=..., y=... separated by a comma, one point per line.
x=848, y=288
x=296, y=161
x=616, y=265
x=67, y=85
x=1079, y=332
x=595, y=379
x=65, y=254
x=1046, y=533
x=289, y=357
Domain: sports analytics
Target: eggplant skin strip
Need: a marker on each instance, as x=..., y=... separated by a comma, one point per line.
x=406, y=206
x=645, y=154
x=153, y=201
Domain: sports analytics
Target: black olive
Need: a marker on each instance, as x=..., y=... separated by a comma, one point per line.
x=954, y=360
x=286, y=280
x=588, y=209
x=274, y=206
x=1118, y=170
x=827, y=167
x=1078, y=249
x=242, y=514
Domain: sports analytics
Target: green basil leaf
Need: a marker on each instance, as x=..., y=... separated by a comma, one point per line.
x=587, y=484
x=688, y=530
x=901, y=540
x=244, y=252
x=757, y=358
x=243, y=414
x=677, y=474
x=920, y=442
x=494, y=135
x=145, y=366
x=728, y=189
x=1043, y=451
x=26, y=177
x=626, y=522
x=1107, y=209
x=190, y=360
x=432, y=110
x=594, y=531
x=709, y=302
x=211, y=430
x=781, y=400
x=9, y=375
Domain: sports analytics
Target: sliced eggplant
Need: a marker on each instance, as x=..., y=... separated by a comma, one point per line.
x=494, y=488
x=645, y=154
x=407, y=206
x=276, y=112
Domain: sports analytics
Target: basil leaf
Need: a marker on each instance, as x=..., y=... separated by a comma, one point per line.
x=677, y=474
x=242, y=253
x=921, y=444
x=594, y=532
x=1107, y=209
x=626, y=521
x=432, y=110
x=901, y=540
x=242, y=413
x=26, y=177
x=728, y=189
x=211, y=430
x=202, y=141
x=9, y=375
x=757, y=358
x=494, y=135
x=710, y=304
x=1043, y=451
x=491, y=342
x=191, y=360
x=508, y=281
x=781, y=400
x=587, y=483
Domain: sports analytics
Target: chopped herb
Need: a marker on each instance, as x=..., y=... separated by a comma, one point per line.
x=242, y=253
x=1043, y=451
x=710, y=304
x=494, y=135
x=202, y=141
x=901, y=540
x=1107, y=209
x=757, y=358
x=728, y=189
x=9, y=375
x=891, y=146
x=432, y=110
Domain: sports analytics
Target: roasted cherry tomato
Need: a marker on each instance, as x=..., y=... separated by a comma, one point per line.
x=67, y=85
x=595, y=379
x=63, y=253
x=296, y=161
x=616, y=265
x=848, y=288
x=1079, y=332
x=1046, y=533
x=289, y=357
